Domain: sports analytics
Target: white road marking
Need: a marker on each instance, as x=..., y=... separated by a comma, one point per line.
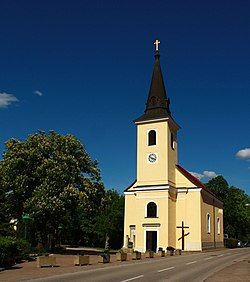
x=208, y=258
x=220, y=256
x=191, y=262
x=165, y=269
x=133, y=278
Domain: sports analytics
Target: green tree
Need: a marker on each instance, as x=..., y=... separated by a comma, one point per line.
x=50, y=176
x=110, y=220
x=236, y=214
x=5, y=228
x=219, y=186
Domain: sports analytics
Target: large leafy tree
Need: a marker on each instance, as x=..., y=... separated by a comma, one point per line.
x=236, y=211
x=238, y=214
x=50, y=176
x=219, y=186
x=4, y=212
x=108, y=223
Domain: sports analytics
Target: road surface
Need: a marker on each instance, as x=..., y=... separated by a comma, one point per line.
x=187, y=267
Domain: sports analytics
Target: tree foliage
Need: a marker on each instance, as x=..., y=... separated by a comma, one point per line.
x=236, y=211
x=50, y=177
x=109, y=220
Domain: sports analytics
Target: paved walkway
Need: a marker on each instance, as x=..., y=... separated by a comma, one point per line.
x=29, y=270
x=238, y=271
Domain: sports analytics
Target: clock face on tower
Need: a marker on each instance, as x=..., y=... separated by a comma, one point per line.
x=152, y=158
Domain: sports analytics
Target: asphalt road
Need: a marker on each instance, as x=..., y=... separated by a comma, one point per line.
x=187, y=267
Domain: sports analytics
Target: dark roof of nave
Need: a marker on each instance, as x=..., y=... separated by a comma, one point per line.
x=157, y=105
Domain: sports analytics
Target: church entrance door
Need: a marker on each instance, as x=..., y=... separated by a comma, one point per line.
x=151, y=240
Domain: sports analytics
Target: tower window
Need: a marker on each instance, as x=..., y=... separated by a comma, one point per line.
x=152, y=138
x=151, y=209
x=172, y=141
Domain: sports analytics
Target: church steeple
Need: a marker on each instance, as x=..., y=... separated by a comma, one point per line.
x=157, y=105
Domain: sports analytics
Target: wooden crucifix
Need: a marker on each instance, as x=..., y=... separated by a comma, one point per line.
x=182, y=234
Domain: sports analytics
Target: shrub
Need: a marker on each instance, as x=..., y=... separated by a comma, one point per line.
x=23, y=248
x=13, y=250
x=170, y=248
x=230, y=243
x=8, y=251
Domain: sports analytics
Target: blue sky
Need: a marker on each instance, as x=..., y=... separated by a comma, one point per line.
x=84, y=67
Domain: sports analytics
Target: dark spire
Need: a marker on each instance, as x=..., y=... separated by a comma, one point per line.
x=157, y=105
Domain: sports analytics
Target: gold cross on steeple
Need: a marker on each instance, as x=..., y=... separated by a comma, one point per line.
x=156, y=43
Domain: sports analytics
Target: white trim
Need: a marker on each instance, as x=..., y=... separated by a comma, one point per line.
x=176, y=125
x=144, y=191
x=172, y=138
x=151, y=120
x=208, y=223
x=145, y=232
x=151, y=225
x=129, y=193
x=187, y=190
x=152, y=187
x=218, y=226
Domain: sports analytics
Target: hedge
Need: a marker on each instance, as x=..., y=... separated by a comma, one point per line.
x=12, y=250
x=231, y=243
x=8, y=251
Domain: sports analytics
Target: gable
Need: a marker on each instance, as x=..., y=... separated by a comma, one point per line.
x=183, y=176
x=182, y=180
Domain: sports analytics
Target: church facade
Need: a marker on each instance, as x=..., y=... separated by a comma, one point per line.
x=166, y=205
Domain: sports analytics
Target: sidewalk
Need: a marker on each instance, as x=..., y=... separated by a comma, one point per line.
x=238, y=271
x=29, y=270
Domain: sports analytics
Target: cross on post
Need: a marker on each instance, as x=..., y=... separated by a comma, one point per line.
x=182, y=234
x=156, y=43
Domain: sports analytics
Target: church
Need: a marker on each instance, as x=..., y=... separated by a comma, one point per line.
x=166, y=205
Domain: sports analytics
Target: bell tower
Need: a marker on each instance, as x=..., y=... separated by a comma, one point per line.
x=156, y=134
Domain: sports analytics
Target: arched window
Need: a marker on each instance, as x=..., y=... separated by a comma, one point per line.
x=208, y=223
x=172, y=141
x=151, y=209
x=152, y=138
x=218, y=225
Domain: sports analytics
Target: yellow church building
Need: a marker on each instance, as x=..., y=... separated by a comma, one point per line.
x=166, y=205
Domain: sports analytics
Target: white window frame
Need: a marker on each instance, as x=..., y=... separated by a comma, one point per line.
x=218, y=225
x=145, y=232
x=172, y=144
x=208, y=220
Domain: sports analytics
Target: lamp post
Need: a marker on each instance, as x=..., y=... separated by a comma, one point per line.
x=60, y=227
x=26, y=219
